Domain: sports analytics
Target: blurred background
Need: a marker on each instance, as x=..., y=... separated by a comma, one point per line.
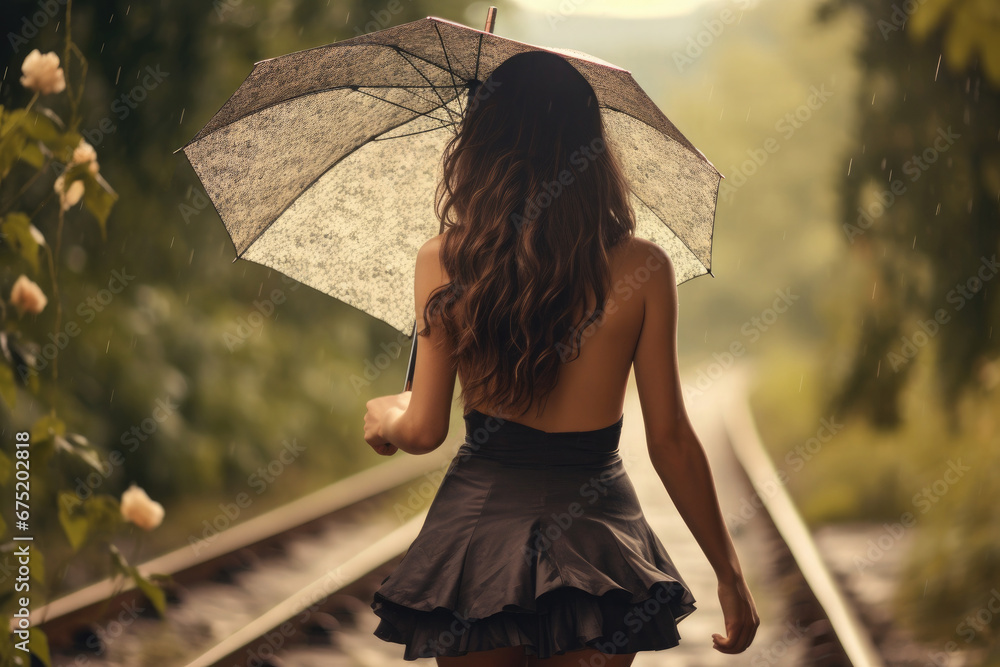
x=855, y=259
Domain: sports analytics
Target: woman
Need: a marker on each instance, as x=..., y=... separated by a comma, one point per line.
x=535, y=550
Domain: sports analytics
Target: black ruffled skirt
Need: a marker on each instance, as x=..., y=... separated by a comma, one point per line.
x=533, y=539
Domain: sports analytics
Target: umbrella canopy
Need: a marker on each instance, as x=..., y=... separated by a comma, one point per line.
x=324, y=162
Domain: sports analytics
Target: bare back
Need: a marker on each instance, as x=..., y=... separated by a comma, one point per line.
x=590, y=390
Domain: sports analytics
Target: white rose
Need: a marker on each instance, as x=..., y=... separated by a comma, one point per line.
x=139, y=509
x=69, y=197
x=84, y=152
x=37, y=235
x=42, y=72
x=27, y=296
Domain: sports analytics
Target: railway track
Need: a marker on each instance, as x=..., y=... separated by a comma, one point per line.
x=292, y=587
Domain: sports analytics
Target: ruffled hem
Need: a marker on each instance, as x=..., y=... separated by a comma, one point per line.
x=565, y=619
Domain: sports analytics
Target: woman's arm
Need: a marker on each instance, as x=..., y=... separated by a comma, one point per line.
x=387, y=427
x=675, y=451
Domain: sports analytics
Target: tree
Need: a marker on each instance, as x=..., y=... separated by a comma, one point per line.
x=921, y=198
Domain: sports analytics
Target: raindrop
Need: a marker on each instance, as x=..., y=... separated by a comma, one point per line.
x=748, y=115
x=938, y=209
x=873, y=289
x=914, y=246
x=878, y=368
x=191, y=257
x=182, y=116
x=851, y=162
x=720, y=113
x=938, y=68
x=873, y=99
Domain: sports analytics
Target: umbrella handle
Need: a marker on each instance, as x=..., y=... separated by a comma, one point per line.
x=411, y=364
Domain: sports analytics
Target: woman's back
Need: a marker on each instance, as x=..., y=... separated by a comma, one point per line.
x=590, y=391
x=535, y=542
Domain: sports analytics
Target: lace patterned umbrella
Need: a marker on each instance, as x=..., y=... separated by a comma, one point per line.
x=322, y=165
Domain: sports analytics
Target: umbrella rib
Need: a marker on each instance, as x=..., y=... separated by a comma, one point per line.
x=676, y=235
x=325, y=90
x=479, y=50
x=444, y=104
x=443, y=122
x=447, y=60
x=410, y=134
x=686, y=144
x=309, y=185
x=397, y=49
x=430, y=85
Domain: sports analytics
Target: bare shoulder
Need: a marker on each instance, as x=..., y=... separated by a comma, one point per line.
x=647, y=262
x=431, y=247
x=429, y=256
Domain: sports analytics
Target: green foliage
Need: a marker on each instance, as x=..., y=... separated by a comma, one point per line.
x=32, y=140
x=98, y=197
x=971, y=30
x=919, y=206
x=151, y=590
x=96, y=516
x=16, y=230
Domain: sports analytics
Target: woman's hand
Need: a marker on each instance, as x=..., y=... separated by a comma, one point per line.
x=378, y=409
x=740, y=615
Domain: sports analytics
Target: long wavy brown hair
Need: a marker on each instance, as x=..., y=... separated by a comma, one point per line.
x=531, y=201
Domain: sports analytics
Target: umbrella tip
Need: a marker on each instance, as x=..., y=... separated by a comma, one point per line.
x=710, y=273
x=491, y=19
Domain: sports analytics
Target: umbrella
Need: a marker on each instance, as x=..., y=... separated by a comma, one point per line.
x=323, y=163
